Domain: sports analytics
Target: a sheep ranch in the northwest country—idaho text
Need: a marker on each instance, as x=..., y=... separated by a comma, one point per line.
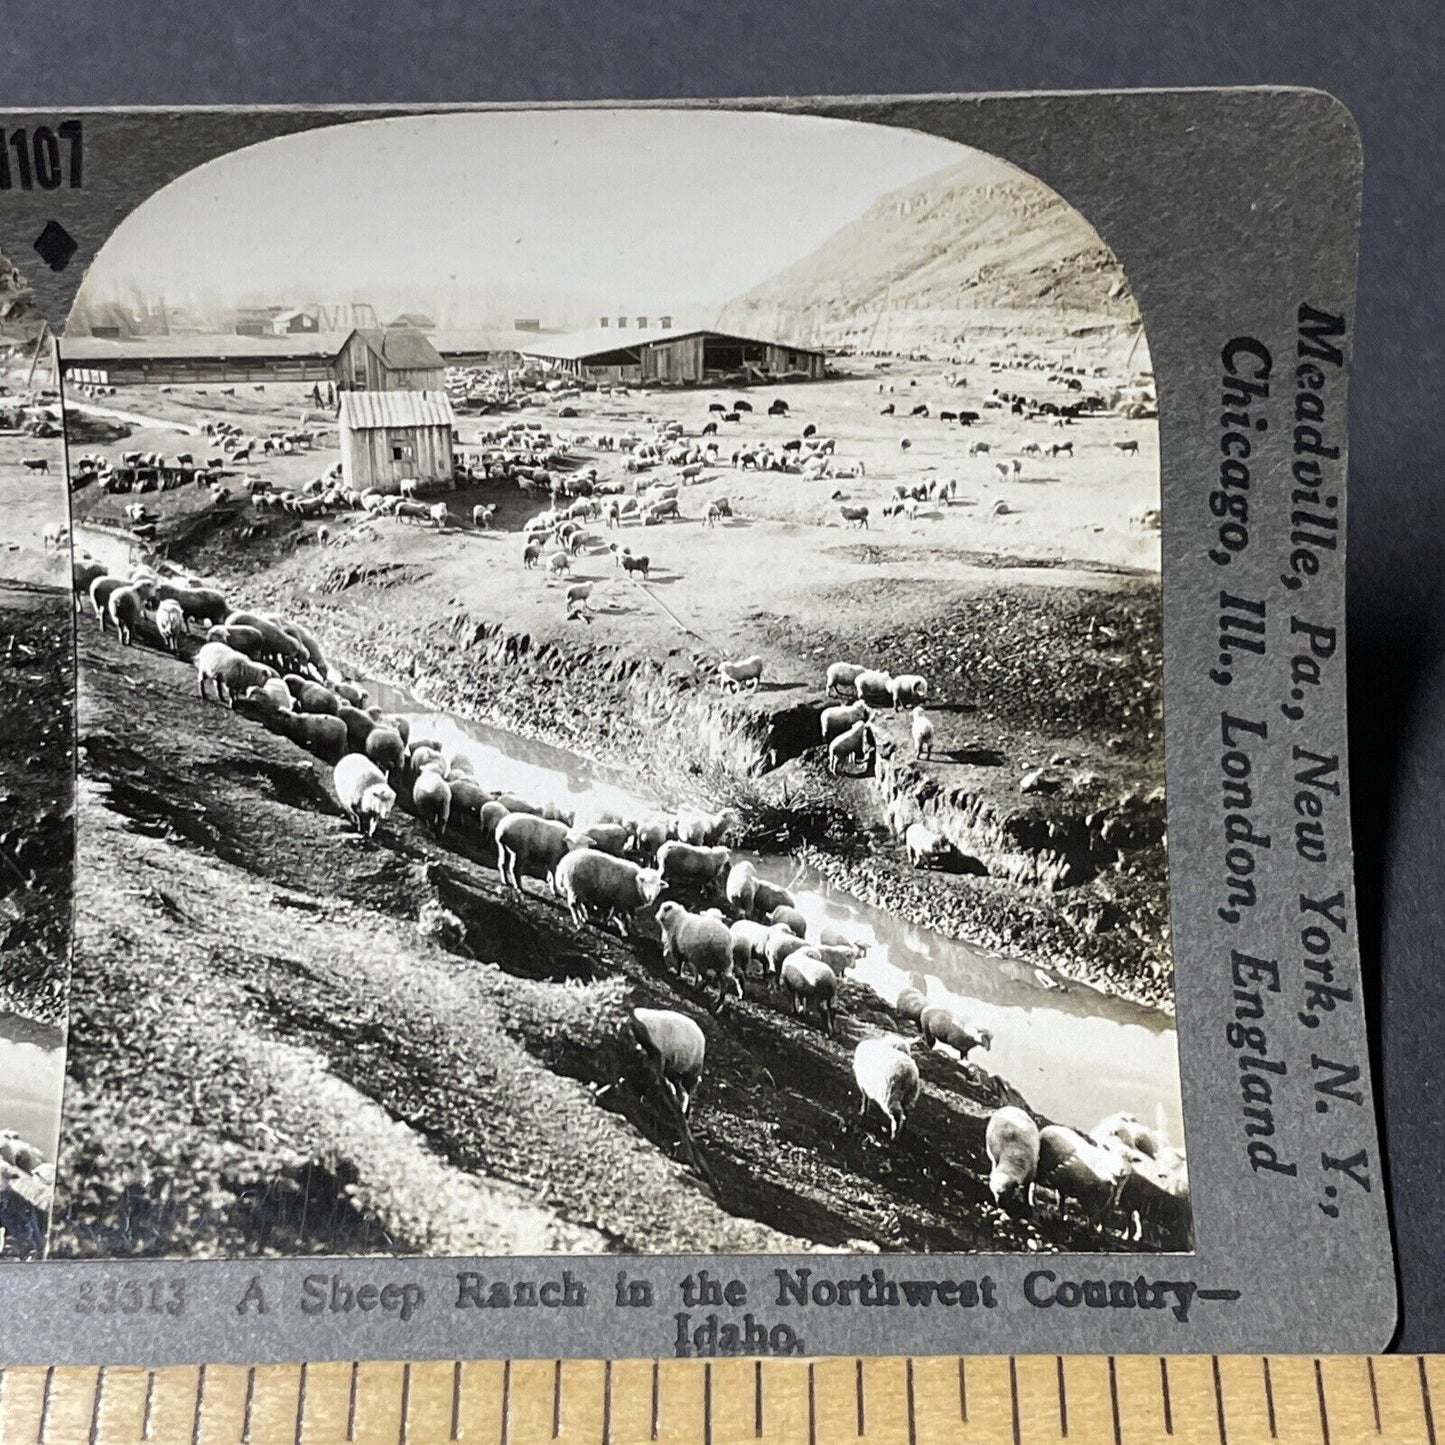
x=662, y=757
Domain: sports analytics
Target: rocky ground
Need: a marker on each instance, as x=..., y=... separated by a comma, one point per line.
x=286, y=1039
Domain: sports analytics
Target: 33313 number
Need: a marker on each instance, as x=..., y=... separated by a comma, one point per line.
x=47, y=157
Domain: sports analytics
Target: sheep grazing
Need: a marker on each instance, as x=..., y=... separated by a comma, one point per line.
x=675, y=1046
x=649, y=835
x=482, y=515
x=276, y=695
x=359, y=726
x=125, y=610
x=363, y=792
x=249, y=640
x=840, y=957
x=788, y=917
x=597, y=886
x=922, y=734
x=199, y=604
x=811, y=985
x=468, y=800
x=706, y=829
x=1077, y=1168
x=608, y=837
x=873, y=687
x=431, y=797
x=924, y=847
x=888, y=1077
x=857, y=742
x=385, y=748
x=698, y=943
x=843, y=675
x=83, y=574
x=228, y=672
x=685, y=865
x=768, y=896
x=530, y=555
x=942, y=1026
x=491, y=816
x=531, y=847
x=1127, y=1129
x=1012, y=1141
x=836, y=720
x=907, y=689
x=171, y=624
x=747, y=671
x=855, y=516
x=100, y=591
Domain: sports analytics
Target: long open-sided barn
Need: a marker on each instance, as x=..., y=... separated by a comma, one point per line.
x=388, y=436
x=662, y=356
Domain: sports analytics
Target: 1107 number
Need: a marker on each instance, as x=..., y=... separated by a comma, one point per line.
x=43, y=157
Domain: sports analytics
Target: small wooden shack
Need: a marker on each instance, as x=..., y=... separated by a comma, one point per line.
x=397, y=359
x=388, y=436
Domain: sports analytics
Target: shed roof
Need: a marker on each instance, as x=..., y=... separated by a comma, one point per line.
x=309, y=345
x=379, y=410
x=402, y=349
x=578, y=345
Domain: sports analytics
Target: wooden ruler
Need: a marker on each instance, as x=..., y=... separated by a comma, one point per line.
x=981, y=1400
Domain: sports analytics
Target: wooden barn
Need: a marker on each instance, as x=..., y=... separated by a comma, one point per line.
x=397, y=359
x=660, y=356
x=388, y=436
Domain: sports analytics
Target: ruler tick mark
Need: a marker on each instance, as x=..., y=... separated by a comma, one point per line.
x=405, y=1429
x=1114, y=1402
x=556, y=1399
x=1425, y=1398
x=1063, y=1397
x=858, y=1390
x=301, y=1406
x=351, y=1402
x=1374, y=1391
x=1013, y=1389
x=1164, y=1390
x=1269, y=1399
x=456, y=1399
x=1320, y=1395
x=758, y=1399
x=1219, y=1401
x=962, y=1392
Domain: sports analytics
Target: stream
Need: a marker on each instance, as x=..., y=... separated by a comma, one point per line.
x=1077, y=1055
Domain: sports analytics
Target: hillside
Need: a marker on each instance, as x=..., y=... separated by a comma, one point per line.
x=938, y=259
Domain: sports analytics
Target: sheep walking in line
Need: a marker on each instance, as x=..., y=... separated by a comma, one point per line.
x=1012, y=1141
x=706, y=829
x=843, y=675
x=750, y=945
x=924, y=847
x=836, y=720
x=363, y=792
x=431, y=796
x=780, y=945
x=888, y=1077
x=908, y=689
x=684, y=865
x=811, y=985
x=1077, y=1168
x=747, y=671
x=676, y=1047
x=855, y=516
x=532, y=847
x=125, y=610
x=171, y=624
x=785, y=916
x=768, y=897
x=922, y=733
x=598, y=887
x=942, y=1026
x=699, y=944
x=228, y=672
x=857, y=742
x=873, y=686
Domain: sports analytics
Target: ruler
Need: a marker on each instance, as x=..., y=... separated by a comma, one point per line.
x=979, y=1400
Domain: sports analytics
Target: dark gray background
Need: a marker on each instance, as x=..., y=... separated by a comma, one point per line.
x=1383, y=61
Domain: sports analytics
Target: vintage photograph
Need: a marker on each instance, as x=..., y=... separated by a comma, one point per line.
x=37, y=691
x=619, y=703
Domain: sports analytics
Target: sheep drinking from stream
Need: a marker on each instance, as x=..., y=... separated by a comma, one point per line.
x=940, y=1026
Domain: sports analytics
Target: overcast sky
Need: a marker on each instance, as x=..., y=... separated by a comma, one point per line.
x=656, y=208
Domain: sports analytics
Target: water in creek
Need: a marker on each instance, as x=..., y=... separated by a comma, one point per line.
x=32, y=1075
x=1075, y=1054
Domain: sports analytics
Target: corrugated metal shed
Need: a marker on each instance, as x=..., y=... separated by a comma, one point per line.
x=376, y=410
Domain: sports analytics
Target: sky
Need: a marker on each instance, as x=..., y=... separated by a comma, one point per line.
x=657, y=209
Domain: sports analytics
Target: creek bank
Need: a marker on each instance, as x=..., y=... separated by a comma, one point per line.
x=1061, y=878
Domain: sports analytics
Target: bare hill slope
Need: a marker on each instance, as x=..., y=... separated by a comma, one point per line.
x=939, y=258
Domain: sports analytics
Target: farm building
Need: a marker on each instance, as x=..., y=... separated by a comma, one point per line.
x=387, y=436
x=398, y=359
x=661, y=356
x=291, y=323
x=196, y=360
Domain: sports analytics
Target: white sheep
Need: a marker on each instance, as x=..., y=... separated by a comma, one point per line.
x=922, y=733
x=596, y=885
x=229, y=672
x=786, y=916
x=770, y=896
x=907, y=689
x=924, y=846
x=431, y=796
x=529, y=846
x=835, y=720
x=942, y=1026
x=705, y=829
x=1012, y=1141
x=741, y=887
x=781, y=944
x=888, y=1077
x=676, y=1047
x=857, y=742
x=843, y=675
x=1077, y=1168
x=874, y=686
x=362, y=790
x=744, y=671
x=810, y=984
x=750, y=943
x=171, y=624
x=700, y=943
x=691, y=866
